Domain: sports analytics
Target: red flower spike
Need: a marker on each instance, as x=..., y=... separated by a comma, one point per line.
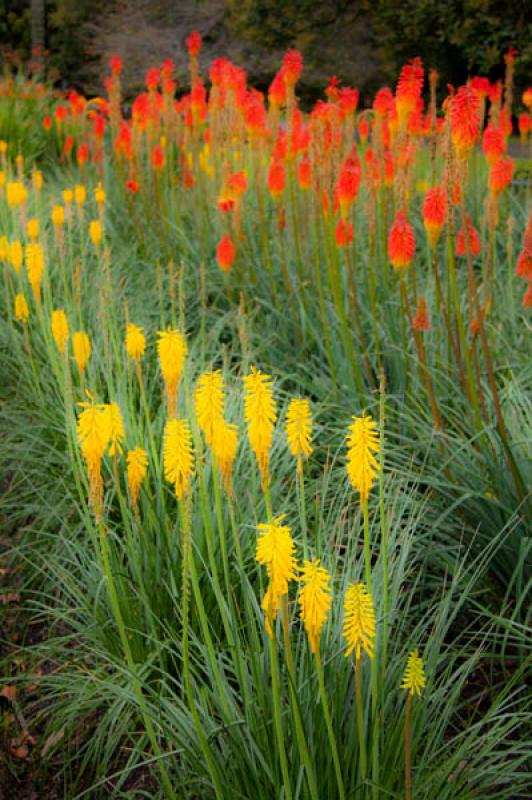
x=464, y=110
x=292, y=66
x=469, y=240
x=434, y=213
x=304, y=173
x=401, y=242
x=501, y=174
x=193, y=44
x=225, y=253
x=276, y=179
x=157, y=158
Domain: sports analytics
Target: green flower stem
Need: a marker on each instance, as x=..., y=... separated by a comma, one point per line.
x=328, y=722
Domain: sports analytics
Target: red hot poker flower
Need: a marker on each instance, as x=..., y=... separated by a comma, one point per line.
x=524, y=124
x=465, y=119
x=493, y=143
x=523, y=268
x=225, y=253
x=292, y=66
x=276, y=179
x=193, y=44
x=237, y=183
x=501, y=174
x=116, y=65
x=153, y=78
x=348, y=184
x=468, y=238
x=409, y=88
x=401, y=242
x=304, y=173
x=434, y=213
x=157, y=158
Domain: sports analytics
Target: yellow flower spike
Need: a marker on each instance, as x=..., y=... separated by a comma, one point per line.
x=299, y=429
x=35, y=268
x=16, y=194
x=260, y=414
x=414, y=677
x=33, y=229
x=224, y=446
x=116, y=428
x=99, y=196
x=16, y=255
x=95, y=232
x=82, y=350
x=2, y=178
x=68, y=197
x=93, y=430
x=135, y=341
x=137, y=466
x=37, y=179
x=178, y=456
x=359, y=620
x=80, y=194
x=59, y=323
x=315, y=600
x=209, y=403
x=3, y=146
x=58, y=216
x=276, y=551
x=363, y=444
x=172, y=349
x=22, y=312
x=4, y=248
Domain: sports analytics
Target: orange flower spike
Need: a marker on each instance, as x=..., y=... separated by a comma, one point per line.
x=434, y=213
x=468, y=238
x=157, y=158
x=193, y=44
x=493, y=143
x=421, y=321
x=304, y=173
x=363, y=130
x=409, y=88
x=524, y=124
x=276, y=179
x=116, y=65
x=348, y=184
x=523, y=268
x=401, y=242
x=292, y=66
x=464, y=109
x=501, y=174
x=225, y=253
